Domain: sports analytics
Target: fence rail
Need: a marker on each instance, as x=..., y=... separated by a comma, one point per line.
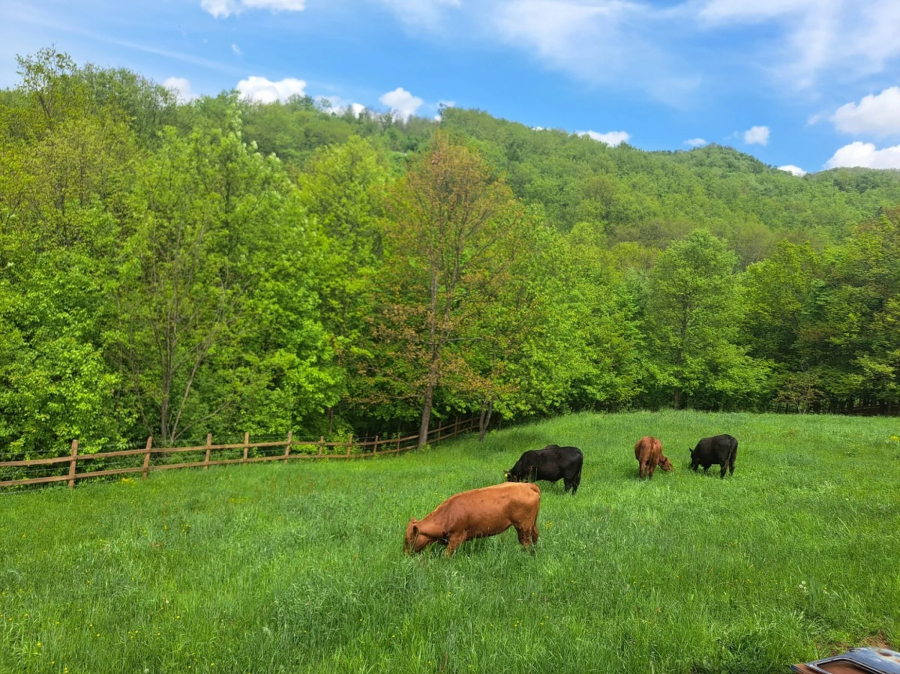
x=293, y=450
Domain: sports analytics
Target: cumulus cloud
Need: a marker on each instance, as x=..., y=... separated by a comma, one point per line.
x=790, y=168
x=402, y=103
x=224, y=8
x=878, y=114
x=611, y=138
x=262, y=90
x=181, y=87
x=695, y=142
x=757, y=135
x=357, y=109
x=866, y=155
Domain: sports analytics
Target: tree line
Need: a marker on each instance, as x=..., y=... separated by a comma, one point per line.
x=175, y=268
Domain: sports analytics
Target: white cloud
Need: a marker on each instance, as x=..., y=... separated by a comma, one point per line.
x=421, y=13
x=611, y=138
x=865, y=155
x=817, y=38
x=402, y=103
x=263, y=90
x=790, y=168
x=181, y=87
x=873, y=114
x=357, y=109
x=695, y=142
x=236, y=50
x=608, y=42
x=757, y=135
x=224, y=8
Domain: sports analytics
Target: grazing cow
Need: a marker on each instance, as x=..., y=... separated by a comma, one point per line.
x=550, y=463
x=720, y=449
x=476, y=514
x=648, y=452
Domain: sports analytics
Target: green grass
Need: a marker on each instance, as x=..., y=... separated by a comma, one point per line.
x=299, y=567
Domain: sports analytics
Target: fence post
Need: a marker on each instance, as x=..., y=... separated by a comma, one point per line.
x=375, y=447
x=147, y=458
x=350, y=445
x=208, y=444
x=321, y=444
x=73, y=463
x=246, y=446
x=287, y=449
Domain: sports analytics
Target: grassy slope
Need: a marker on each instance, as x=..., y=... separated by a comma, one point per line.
x=299, y=567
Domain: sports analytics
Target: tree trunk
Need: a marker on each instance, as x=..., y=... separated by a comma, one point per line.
x=426, y=416
x=485, y=419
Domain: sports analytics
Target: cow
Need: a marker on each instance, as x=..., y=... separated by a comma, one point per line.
x=476, y=514
x=648, y=452
x=551, y=463
x=720, y=449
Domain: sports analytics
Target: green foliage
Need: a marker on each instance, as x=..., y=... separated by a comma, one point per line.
x=693, y=318
x=219, y=265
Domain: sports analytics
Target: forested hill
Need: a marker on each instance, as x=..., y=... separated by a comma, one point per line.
x=175, y=268
x=647, y=197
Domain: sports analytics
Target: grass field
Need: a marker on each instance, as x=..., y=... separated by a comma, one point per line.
x=299, y=567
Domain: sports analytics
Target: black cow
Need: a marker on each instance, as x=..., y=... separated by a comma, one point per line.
x=550, y=463
x=721, y=449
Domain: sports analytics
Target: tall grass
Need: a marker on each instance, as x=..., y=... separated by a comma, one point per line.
x=299, y=567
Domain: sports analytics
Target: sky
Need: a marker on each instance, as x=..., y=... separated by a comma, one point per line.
x=801, y=84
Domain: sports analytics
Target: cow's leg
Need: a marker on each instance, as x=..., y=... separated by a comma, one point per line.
x=524, y=533
x=576, y=482
x=724, y=469
x=643, y=470
x=454, y=542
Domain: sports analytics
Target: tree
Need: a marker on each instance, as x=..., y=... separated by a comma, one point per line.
x=215, y=299
x=451, y=237
x=693, y=316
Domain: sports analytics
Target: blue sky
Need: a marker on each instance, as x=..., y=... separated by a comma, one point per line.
x=801, y=83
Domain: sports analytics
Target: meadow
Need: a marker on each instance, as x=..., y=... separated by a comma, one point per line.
x=299, y=567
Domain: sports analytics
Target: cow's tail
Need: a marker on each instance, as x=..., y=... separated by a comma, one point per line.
x=733, y=457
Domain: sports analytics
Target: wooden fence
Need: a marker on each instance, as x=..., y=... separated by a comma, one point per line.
x=293, y=449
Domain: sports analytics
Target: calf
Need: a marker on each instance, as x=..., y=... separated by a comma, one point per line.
x=648, y=452
x=720, y=449
x=476, y=514
x=551, y=463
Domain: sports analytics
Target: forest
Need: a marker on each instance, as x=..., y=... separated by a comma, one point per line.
x=174, y=268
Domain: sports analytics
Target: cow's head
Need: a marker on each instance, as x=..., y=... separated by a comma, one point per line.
x=665, y=464
x=510, y=476
x=416, y=540
x=412, y=534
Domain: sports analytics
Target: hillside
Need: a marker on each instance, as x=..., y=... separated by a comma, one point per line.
x=177, y=268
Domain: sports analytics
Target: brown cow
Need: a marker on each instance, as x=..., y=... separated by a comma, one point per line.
x=648, y=452
x=476, y=514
